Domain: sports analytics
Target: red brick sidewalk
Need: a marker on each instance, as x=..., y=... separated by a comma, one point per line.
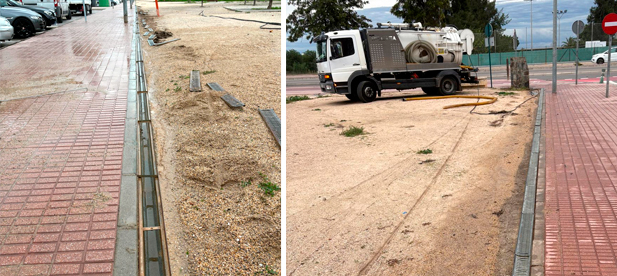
x=61, y=154
x=581, y=180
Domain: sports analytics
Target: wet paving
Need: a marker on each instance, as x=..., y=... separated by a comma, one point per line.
x=63, y=102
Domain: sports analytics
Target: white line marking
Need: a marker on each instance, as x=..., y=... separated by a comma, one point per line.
x=610, y=24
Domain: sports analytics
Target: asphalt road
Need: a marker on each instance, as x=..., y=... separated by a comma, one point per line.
x=49, y=28
x=565, y=71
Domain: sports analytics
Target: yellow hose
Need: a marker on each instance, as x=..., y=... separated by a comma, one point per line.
x=492, y=100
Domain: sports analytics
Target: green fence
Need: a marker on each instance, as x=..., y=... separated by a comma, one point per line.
x=535, y=56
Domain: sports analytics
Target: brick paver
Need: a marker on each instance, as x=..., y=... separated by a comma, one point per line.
x=581, y=179
x=61, y=154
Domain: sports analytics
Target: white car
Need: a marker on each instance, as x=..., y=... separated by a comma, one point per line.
x=6, y=30
x=602, y=57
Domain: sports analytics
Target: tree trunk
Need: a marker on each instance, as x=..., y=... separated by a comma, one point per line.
x=254, y=2
x=519, y=72
x=270, y=4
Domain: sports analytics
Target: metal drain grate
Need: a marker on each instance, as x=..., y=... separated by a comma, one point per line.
x=232, y=101
x=273, y=122
x=215, y=86
x=195, y=82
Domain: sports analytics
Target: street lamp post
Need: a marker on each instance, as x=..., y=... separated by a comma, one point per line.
x=531, y=21
x=559, y=15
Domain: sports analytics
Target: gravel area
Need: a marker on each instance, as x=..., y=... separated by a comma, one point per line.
x=220, y=167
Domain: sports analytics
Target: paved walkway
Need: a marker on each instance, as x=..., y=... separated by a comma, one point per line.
x=581, y=181
x=61, y=154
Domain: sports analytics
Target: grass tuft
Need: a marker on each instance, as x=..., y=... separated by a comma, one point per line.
x=267, y=186
x=292, y=99
x=425, y=151
x=505, y=93
x=208, y=72
x=353, y=131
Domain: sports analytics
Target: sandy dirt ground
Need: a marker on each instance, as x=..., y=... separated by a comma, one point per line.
x=372, y=205
x=213, y=160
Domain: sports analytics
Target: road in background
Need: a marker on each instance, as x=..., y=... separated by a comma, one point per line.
x=309, y=83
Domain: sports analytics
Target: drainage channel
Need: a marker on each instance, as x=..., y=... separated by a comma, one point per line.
x=153, y=256
x=524, y=242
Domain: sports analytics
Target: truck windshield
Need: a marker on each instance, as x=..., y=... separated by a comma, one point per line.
x=322, y=51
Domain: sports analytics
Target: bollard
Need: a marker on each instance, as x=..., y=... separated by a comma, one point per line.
x=602, y=76
x=507, y=68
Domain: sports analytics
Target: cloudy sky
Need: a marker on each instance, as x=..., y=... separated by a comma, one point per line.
x=518, y=10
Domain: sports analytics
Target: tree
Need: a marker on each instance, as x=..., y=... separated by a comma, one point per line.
x=429, y=13
x=270, y=4
x=570, y=42
x=464, y=14
x=475, y=14
x=596, y=13
x=293, y=57
x=308, y=58
x=312, y=17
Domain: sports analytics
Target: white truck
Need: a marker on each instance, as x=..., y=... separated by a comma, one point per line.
x=61, y=7
x=77, y=6
x=362, y=63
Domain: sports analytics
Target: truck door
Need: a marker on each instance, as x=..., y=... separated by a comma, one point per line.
x=344, y=58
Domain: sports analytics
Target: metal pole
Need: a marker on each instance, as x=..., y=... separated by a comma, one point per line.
x=83, y=4
x=554, y=46
x=126, y=15
x=157, y=7
x=531, y=2
x=577, y=32
x=490, y=69
x=608, y=64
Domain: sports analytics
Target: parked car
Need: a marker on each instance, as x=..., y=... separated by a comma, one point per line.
x=60, y=7
x=603, y=57
x=47, y=14
x=6, y=30
x=25, y=22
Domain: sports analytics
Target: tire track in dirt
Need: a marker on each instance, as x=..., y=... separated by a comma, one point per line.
x=384, y=174
x=398, y=171
x=378, y=253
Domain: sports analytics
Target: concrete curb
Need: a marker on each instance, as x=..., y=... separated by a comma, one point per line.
x=126, y=253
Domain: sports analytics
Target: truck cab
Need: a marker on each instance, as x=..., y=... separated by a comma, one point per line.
x=361, y=63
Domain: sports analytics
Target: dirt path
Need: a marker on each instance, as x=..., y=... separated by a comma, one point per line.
x=219, y=167
x=371, y=205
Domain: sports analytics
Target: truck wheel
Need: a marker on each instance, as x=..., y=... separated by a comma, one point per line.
x=89, y=9
x=366, y=91
x=448, y=86
x=352, y=97
x=431, y=90
x=600, y=61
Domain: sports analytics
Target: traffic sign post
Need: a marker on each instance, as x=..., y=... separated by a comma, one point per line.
x=609, y=26
x=577, y=28
x=488, y=31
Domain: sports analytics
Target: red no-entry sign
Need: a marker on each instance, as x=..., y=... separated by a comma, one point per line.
x=609, y=24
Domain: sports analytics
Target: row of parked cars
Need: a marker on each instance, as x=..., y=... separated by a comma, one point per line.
x=23, y=18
